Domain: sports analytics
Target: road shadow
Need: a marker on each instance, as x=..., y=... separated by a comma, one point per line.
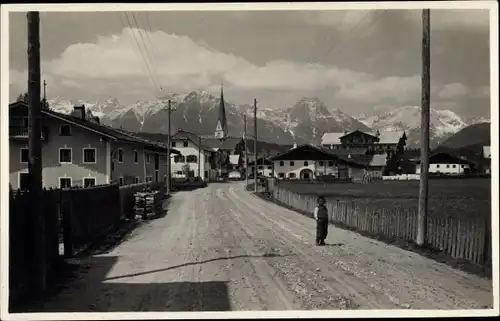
x=85, y=288
x=267, y=255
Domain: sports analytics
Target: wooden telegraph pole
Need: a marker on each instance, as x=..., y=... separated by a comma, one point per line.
x=255, y=144
x=199, y=156
x=169, y=160
x=424, y=130
x=246, y=148
x=35, y=150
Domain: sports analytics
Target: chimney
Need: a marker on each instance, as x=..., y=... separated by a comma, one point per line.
x=79, y=111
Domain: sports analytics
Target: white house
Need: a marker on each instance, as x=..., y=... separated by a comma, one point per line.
x=194, y=156
x=308, y=162
x=443, y=163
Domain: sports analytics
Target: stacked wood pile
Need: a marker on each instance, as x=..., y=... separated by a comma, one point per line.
x=147, y=204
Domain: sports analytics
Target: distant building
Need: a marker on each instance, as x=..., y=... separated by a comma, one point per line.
x=359, y=142
x=78, y=151
x=444, y=163
x=264, y=167
x=194, y=156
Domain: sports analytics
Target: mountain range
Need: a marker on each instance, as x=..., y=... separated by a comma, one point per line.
x=304, y=122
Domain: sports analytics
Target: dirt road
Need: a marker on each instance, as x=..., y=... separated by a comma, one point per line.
x=221, y=248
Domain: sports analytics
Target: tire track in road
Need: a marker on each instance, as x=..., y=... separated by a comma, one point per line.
x=406, y=287
x=344, y=282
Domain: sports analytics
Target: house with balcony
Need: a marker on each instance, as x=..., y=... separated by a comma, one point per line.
x=79, y=151
x=359, y=142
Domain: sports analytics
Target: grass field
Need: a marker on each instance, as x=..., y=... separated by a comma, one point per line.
x=453, y=197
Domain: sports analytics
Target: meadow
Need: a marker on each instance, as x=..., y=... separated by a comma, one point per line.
x=448, y=197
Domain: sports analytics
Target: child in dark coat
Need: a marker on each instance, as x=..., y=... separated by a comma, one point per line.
x=321, y=217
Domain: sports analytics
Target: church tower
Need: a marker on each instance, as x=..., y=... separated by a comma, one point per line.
x=221, y=127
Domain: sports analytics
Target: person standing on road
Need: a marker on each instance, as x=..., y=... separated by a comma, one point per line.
x=321, y=217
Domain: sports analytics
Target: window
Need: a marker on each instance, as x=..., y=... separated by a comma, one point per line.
x=157, y=176
x=179, y=159
x=330, y=163
x=179, y=172
x=24, y=155
x=185, y=144
x=88, y=181
x=306, y=175
x=292, y=163
x=321, y=163
x=291, y=175
x=147, y=158
x=120, y=181
x=447, y=166
x=281, y=175
x=454, y=166
x=120, y=155
x=192, y=159
x=25, y=121
x=463, y=166
x=64, y=182
x=65, y=155
x=306, y=163
x=282, y=163
x=259, y=167
x=65, y=130
x=269, y=167
x=173, y=144
x=437, y=166
x=136, y=157
x=89, y=155
x=24, y=181
x=136, y=180
x=206, y=174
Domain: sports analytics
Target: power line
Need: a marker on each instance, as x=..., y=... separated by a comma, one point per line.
x=141, y=31
x=150, y=29
x=141, y=52
x=124, y=24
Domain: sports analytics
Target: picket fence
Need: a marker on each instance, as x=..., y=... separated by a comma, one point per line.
x=465, y=239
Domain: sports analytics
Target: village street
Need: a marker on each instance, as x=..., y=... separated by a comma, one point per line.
x=221, y=248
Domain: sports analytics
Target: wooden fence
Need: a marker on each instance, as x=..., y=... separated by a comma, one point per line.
x=22, y=229
x=466, y=239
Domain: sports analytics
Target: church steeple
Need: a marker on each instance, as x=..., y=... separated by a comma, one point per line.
x=221, y=127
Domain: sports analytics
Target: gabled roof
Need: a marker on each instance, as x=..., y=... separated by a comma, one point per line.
x=183, y=135
x=234, y=159
x=110, y=132
x=304, y=152
x=390, y=137
x=331, y=138
x=355, y=132
x=446, y=158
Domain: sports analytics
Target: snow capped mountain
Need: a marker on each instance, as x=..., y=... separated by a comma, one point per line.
x=443, y=123
x=304, y=122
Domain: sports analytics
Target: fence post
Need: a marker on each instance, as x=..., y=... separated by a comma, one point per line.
x=487, y=243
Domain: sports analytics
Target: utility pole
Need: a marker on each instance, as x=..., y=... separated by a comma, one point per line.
x=169, y=160
x=255, y=144
x=246, y=148
x=424, y=130
x=35, y=150
x=199, y=156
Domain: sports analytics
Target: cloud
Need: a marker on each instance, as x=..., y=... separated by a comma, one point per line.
x=114, y=65
x=178, y=62
x=454, y=19
x=453, y=90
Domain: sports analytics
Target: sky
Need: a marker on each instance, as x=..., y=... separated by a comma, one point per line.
x=359, y=61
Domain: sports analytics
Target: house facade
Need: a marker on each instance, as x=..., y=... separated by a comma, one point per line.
x=264, y=167
x=78, y=151
x=194, y=157
x=443, y=163
x=359, y=142
x=307, y=162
